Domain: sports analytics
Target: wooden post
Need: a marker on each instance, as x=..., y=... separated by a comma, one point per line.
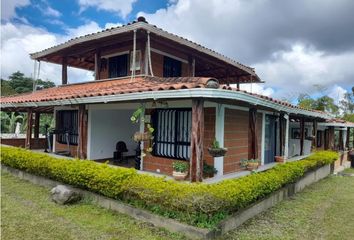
x=331, y=138
x=191, y=66
x=281, y=134
x=197, y=137
x=82, y=132
x=302, y=135
x=314, y=134
x=64, y=71
x=29, y=128
x=347, y=138
x=252, y=134
x=340, y=140
x=36, y=125
x=97, y=65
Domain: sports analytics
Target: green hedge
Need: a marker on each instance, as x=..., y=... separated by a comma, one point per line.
x=202, y=205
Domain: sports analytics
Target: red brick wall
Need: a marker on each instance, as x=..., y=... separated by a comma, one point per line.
x=235, y=139
x=20, y=142
x=209, y=133
x=63, y=147
x=152, y=163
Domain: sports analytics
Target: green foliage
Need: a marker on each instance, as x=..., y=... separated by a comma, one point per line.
x=215, y=144
x=245, y=162
x=202, y=205
x=180, y=166
x=9, y=120
x=209, y=170
x=323, y=103
x=6, y=89
x=137, y=114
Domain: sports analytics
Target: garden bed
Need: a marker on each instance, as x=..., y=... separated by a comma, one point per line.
x=200, y=205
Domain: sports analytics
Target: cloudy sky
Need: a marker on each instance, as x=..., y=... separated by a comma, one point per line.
x=303, y=46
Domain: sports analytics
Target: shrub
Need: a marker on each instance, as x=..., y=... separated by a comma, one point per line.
x=202, y=205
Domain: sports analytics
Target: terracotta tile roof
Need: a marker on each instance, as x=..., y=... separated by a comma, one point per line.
x=126, y=86
x=109, y=87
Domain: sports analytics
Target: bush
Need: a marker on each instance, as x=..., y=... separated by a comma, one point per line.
x=202, y=205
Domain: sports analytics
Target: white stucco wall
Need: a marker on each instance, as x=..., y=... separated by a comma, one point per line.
x=294, y=144
x=107, y=127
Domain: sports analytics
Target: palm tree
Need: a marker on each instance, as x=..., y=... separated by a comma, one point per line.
x=8, y=121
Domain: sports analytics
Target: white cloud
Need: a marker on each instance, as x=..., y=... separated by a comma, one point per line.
x=19, y=40
x=8, y=8
x=90, y=27
x=285, y=42
x=337, y=93
x=49, y=11
x=121, y=7
x=306, y=70
x=257, y=88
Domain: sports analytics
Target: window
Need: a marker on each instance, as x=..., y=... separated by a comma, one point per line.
x=118, y=66
x=171, y=67
x=67, y=122
x=172, y=135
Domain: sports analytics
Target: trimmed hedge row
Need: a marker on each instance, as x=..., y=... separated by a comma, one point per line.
x=202, y=205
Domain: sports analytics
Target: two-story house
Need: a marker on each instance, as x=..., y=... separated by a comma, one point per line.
x=189, y=94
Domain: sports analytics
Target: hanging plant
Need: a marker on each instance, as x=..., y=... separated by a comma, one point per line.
x=215, y=150
x=146, y=136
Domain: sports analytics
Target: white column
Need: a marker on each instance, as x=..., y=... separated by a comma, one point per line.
x=286, y=144
x=219, y=135
x=263, y=138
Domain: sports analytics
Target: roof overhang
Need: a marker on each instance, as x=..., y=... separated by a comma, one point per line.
x=149, y=28
x=207, y=93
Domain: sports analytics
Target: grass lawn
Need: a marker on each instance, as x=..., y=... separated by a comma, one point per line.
x=28, y=213
x=325, y=210
x=349, y=170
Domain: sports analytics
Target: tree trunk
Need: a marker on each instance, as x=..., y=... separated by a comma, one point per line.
x=197, y=137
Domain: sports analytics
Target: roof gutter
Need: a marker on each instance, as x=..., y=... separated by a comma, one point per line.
x=173, y=94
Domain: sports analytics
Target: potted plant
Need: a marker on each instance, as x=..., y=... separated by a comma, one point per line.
x=279, y=159
x=209, y=170
x=180, y=170
x=250, y=164
x=215, y=150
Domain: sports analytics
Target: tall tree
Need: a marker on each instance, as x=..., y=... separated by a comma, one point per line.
x=21, y=84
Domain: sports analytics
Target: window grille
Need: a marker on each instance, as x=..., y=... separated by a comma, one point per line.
x=172, y=136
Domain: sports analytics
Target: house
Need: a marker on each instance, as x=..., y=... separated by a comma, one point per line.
x=190, y=94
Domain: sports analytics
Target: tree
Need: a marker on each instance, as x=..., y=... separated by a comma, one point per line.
x=6, y=89
x=21, y=84
x=323, y=103
x=9, y=120
x=326, y=104
x=305, y=101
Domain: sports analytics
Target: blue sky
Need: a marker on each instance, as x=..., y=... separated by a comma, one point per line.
x=71, y=14
x=295, y=46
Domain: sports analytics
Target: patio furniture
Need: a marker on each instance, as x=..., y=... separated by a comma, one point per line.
x=121, y=148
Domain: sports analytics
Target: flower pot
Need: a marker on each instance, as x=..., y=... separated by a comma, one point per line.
x=217, y=152
x=252, y=166
x=141, y=137
x=279, y=159
x=179, y=176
